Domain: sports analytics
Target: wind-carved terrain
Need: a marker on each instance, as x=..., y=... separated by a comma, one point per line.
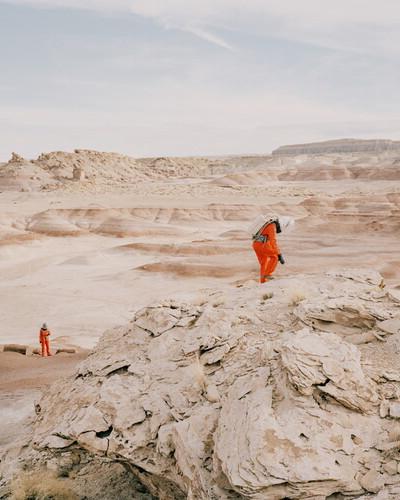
x=206, y=384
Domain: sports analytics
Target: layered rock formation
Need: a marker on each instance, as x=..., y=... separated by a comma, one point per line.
x=93, y=170
x=289, y=390
x=339, y=146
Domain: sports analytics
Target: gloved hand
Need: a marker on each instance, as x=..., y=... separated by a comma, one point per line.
x=281, y=259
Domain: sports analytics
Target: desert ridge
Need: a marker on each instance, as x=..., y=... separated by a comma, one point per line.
x=148, y=265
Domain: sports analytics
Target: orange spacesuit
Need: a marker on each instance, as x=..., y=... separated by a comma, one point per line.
x=267, y=250
x=44, y=340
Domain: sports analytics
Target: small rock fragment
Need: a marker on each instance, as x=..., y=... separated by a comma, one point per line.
x=390, y=325
x=390, y=467
x=394, y=409
x=212, y=393
x=372, y=481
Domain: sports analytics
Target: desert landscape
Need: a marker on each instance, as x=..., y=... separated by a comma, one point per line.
x=176, y=374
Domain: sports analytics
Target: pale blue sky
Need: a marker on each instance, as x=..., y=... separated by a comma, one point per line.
x=190, y=77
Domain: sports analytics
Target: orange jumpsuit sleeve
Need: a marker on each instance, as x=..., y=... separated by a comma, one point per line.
x=270, y=232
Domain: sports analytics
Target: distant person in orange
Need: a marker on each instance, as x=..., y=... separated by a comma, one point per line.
x=44, y=340
x=266, y=246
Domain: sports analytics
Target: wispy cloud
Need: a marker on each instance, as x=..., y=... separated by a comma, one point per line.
x=209, y=37
x=354, y=25
x=266, y=72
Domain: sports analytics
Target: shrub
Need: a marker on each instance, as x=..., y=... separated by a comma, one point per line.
x=41, y=485
x=296, y=297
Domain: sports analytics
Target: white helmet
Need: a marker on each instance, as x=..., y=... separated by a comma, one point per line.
x=286, y=223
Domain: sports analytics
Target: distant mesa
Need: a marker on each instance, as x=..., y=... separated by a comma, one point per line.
x=339, y=146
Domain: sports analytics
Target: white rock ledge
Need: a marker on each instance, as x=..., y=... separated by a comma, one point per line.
x=244, y=397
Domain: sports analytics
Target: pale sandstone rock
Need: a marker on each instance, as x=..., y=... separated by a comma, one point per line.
x=238, y=400
x=158, y=320
x=394, y=294
x=78, y=174
x=16, y=158
x=390, y=467
x=212, y=393
x=333, y=367
x=384, y=409
x=358, y=275
x=56, y=441
x=394, y=409
x=390, y=325
x=372, y=481
x=336, y=315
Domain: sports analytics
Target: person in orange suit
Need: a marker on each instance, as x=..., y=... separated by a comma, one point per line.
x=44, y=340
x=266, y=248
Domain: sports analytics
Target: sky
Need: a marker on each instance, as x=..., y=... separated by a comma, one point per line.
x=195, y=77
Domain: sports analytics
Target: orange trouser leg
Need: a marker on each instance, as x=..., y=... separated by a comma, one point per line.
x=259, y=249
x=45, y=348
x=263, y=268
x=266, y=258
x=271, y=264
x=267, y=267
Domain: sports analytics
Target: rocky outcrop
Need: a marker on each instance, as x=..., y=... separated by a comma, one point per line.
x=288, y=390
x=101, y=171
x=98, y=169
x=23, y=175
x=78, y=173
x=16, y=158
x=375, y=146
x=103, y=168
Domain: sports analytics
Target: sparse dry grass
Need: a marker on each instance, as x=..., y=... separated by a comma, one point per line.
x=218, y=302
x=267, y=296
x=41, y=485
x=296, y=297
x=200, y=300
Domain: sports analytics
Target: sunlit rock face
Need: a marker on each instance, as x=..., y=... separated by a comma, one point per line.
x=289, y=390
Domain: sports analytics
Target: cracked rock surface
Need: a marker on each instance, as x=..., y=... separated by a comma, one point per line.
x=294, y=393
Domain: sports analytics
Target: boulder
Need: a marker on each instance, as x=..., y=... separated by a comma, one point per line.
x=236, y=398
x=16, y=158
